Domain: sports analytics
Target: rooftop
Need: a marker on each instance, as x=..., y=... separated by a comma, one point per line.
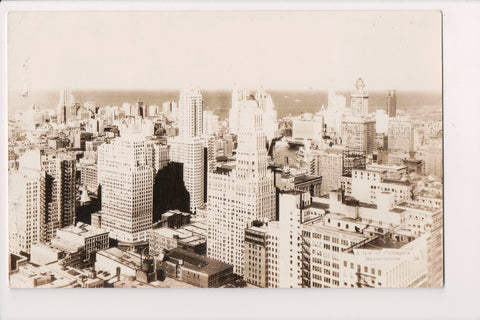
x=223, y=170
x=197, y=262
x=319, y=205
x=127, y=258
x=378, y=243
x=306, y=178
x=417, y=206
x=398, y=182
x=83, y=230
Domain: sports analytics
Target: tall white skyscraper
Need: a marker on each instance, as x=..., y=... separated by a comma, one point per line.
x=190, y=152
x=60, y=188
x=126, y=178
x=190, y=113
x=26, y=208
x=188, y=147
x=238, y=196
x=359, y=99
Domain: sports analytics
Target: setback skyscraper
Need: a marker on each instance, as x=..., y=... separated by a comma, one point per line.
x=239, y=195
x=126, y=179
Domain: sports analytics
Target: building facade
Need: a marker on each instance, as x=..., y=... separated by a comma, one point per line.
x=239, y=195
x=358, y=133
x=400, y=134
x=126, y=178
x=359, y=99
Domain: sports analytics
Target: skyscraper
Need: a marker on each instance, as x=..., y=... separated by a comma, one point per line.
x=400, y=134
x=26, y=208
x=190, y=152
x=64, y=107
x=358, y=133
x=126, y=178
x=188, y=147
x=60, y=188
x=359, y=99
x=270, y=123
x=391, y=102
x=238, y=196
x=190, y=113
x=238, y=96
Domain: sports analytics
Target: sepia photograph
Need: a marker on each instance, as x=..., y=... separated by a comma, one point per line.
x=225, y=149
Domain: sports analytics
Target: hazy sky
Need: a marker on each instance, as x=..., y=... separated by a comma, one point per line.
x=213, y=50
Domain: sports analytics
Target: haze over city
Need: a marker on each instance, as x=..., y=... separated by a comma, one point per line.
x=319, y=166
x=171, y=50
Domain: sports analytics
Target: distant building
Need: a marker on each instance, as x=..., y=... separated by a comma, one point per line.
x=359, y=99
x=308, y=126
x=434, y=158
x=329, y=165
x=358, y=133
x=367, y=184
x=65, y=105
x=190, y=108
x=210, y=122
x=400, y=134
x=391, y=103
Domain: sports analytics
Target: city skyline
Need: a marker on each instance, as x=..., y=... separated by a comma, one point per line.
x=249, y=191
x=315, y=50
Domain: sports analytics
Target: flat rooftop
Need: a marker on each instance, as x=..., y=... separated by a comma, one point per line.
x=319, y=205
x=223, y=170
x=129, y=259
x=417, y=206
x=197, y=262
x=398, y=182
x=306, y=178
x=379, y=244
x=83, y=230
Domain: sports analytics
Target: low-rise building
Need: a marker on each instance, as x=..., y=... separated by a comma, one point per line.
x=189, y=237
x=91, y=238
x=195, y=269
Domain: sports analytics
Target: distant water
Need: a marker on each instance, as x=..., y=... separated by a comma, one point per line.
x=286, y=102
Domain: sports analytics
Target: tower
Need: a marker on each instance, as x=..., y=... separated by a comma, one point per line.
x=188, y=147
x=190, y=113
x=126, y=178
x=238, y=196
x=65, y=104
x=26, y=208
x=359, y=99
x=60, y=188
x=391, y=102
